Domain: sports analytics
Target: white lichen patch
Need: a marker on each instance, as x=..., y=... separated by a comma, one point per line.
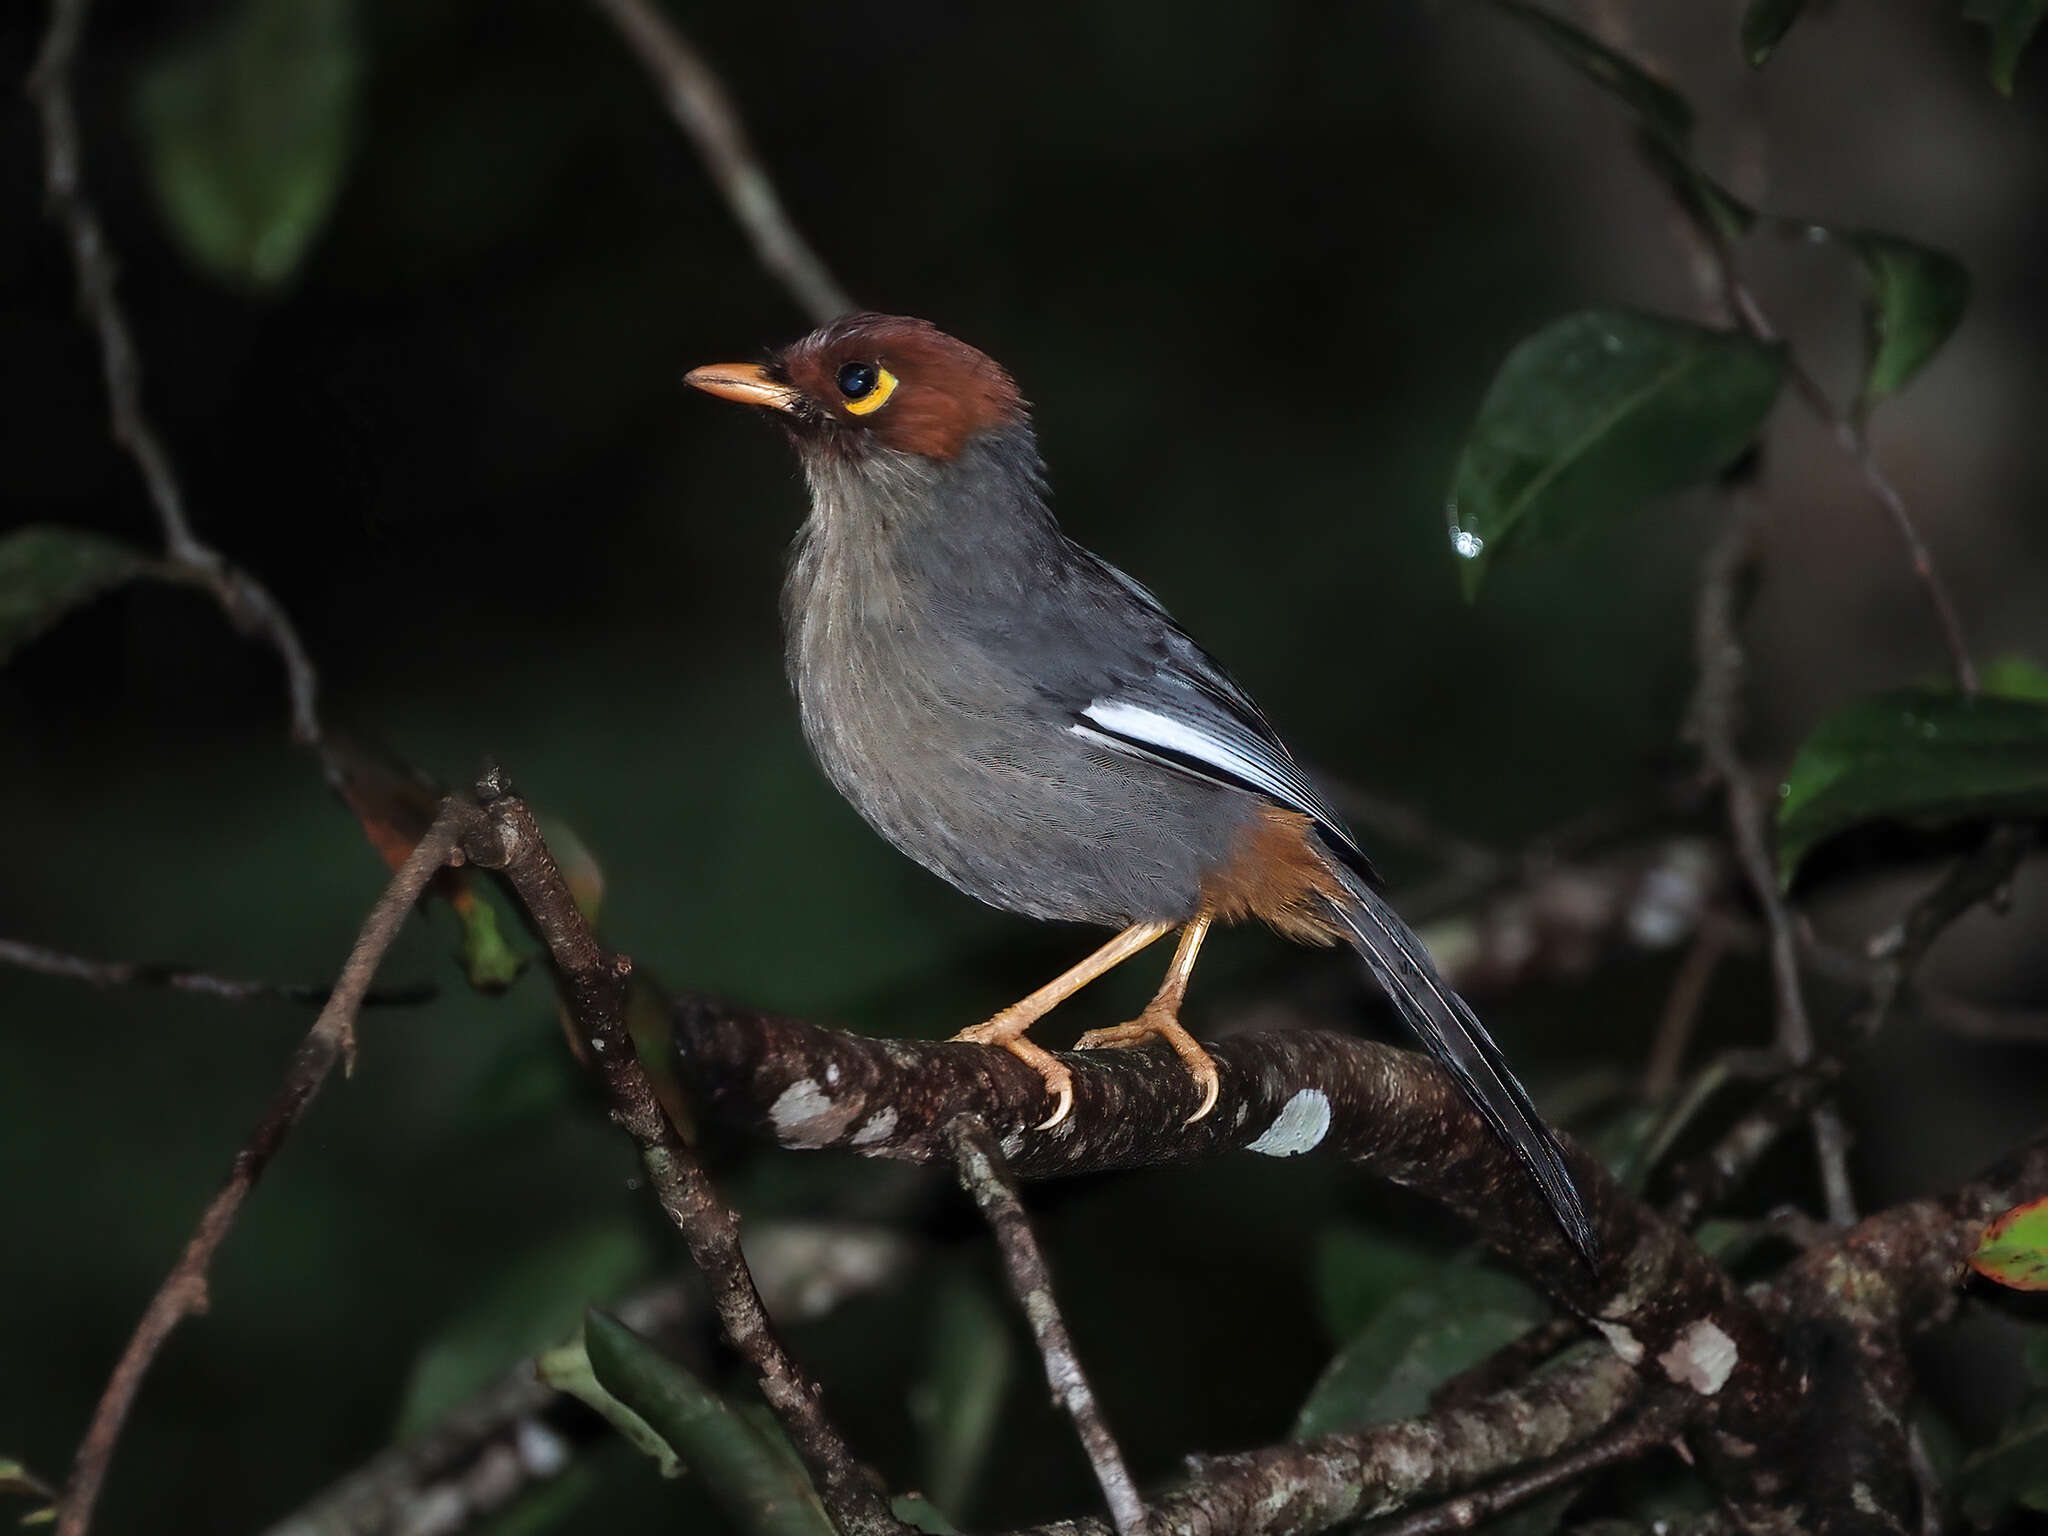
x=1625, y=1343
x=1703, y=1358
x=1301, y=1125
x=876, y=1127
x=804, y=1115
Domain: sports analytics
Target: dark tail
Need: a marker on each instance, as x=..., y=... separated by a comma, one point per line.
x=1457, y=1039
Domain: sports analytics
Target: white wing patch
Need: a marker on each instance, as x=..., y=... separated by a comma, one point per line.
x=1269, y=771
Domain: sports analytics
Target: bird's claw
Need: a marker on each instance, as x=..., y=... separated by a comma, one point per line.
x=1200, y=1064
x=1059, y=1082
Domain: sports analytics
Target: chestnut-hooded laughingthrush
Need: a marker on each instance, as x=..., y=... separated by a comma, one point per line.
x=1025, y=720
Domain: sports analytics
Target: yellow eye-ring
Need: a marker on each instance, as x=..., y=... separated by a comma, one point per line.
x=866, y=386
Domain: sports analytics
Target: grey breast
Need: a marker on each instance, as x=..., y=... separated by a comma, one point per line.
x=943, y=638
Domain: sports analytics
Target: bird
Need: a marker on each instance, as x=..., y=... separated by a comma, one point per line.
x=1023, y=719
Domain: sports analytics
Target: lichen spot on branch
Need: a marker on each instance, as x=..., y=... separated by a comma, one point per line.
x=1301, y=1125
x=1702, y=1359
x=804, y=1115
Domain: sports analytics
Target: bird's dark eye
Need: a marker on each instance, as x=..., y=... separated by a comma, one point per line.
x=866, y=386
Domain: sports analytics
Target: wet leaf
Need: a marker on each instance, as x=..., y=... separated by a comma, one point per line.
x=1915, y=300
x=1922, y=756
x=47, y=571
x=523, y=1311
x=755, y=1481
x=1764, y=25
x=1595, y=414
x=957, y=1404
x=1417, y=1341
x=248, y=130
x=2014, y=1249
x=2012, y=24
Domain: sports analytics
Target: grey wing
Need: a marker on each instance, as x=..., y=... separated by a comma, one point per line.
x=1170, y=702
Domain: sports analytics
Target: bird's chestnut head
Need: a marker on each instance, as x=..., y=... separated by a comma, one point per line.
x=868, y=381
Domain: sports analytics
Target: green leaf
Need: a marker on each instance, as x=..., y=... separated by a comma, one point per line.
x=1417, y=1341
x=1915, y=300
x=1764, y=25
x=45, y=572
x=2012, y=24
x=1359, y=1270
x=534, y=1304
x=2014, y=1248
x=1924, y=756
x=2012, y=1470
x=1594, y=414
x=957, y=1404
x=566, y=1368
x=488, y=960
x=248, y=130
x=2014, y=677
x=755, y=1481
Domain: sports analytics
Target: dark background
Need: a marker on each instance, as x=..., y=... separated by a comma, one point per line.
x=1254, y=265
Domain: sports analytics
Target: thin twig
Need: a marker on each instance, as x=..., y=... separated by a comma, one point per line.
x=1629, y=1441
x=247, y=603
x=184, y=1290
x=1714, y=722
x=106, y=974
x=979, y=1162
x=594, y=980
x=1682, y=1012
x=698, y=100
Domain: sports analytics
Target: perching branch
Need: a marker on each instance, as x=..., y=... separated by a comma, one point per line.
x=183, y=1292
x=698, y=100
x=247, y=603
x=982, y=1174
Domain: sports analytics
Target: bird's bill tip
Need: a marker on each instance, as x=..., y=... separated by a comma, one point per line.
x=748, y=383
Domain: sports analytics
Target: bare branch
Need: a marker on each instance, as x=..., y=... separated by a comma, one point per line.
x=184, y=1290
x=593, y=980
x=697, y=99
x=983, y=1176
x=247, y=603
x=106, y=974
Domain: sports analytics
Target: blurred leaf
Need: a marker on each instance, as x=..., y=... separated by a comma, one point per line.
x=1660, y=112
x=960, y=1399
x=920, y=1514
x=2012, y=24
x=579, y=866
x=2011, y=1471
x=2014, y=1249
x=1916, y=299
x=566, y=1368
x=1623, y=1142
x=1417, y=1341
x=248, y=130
x=547, y=1507
x=46, y=571
x=1659, y=107
x=1358, y=1270
x=16, y=1479
x=1924, y=756
x=1596, y=413
x=2014, y=677
x=488, y=961
x=753, y=1480
x=520, y=1313
x=1764, y=25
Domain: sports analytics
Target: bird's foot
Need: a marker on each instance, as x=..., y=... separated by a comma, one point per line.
x=1163, y=1023
x=1006, y=1030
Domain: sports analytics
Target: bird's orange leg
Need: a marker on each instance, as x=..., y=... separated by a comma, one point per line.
x=1007, y=1028
x=1162, y=1017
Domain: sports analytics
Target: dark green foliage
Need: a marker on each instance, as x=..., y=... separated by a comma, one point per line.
x=46, y=572
x=1596, y=414
x=1764, y=25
